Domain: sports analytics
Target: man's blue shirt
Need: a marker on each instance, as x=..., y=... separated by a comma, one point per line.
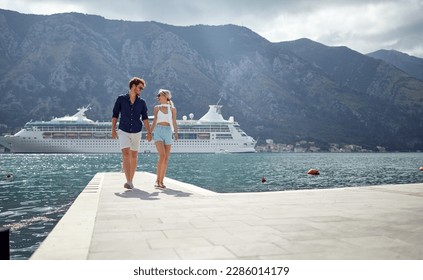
x=130, y=114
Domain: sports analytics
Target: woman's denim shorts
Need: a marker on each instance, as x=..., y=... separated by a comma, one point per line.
x=163, y=133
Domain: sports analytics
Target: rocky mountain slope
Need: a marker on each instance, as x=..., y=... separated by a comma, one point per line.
x=288, y=91
x=409, y=64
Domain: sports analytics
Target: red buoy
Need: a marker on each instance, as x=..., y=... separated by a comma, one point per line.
x=313, y=172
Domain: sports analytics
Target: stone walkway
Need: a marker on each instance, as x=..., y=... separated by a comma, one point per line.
x=188, y=222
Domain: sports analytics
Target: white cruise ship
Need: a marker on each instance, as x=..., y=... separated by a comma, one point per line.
x=78, y=134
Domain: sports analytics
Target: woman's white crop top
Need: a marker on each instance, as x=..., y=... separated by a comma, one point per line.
x=162, y=117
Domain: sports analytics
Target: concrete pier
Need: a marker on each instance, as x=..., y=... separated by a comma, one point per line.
x=187, y=222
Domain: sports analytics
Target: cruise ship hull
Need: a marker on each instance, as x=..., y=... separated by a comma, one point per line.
x=112, y=146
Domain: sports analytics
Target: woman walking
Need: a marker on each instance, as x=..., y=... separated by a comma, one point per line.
x=164, y=124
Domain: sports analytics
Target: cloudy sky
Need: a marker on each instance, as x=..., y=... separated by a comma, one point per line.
x=362, y=25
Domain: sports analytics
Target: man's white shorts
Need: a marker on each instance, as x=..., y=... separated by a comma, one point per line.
x=129, y=140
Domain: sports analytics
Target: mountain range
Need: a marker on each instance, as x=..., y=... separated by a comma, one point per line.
x=409, y=64
x=286, y=91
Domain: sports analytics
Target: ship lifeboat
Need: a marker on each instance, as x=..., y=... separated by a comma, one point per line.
x=313, y=172
x=71, y=135
x=85, y=135
x=421, y=168
x=58, y=135
x=99, y=135
x=47, y=135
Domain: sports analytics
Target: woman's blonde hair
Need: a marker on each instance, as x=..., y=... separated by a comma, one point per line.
x=168, y=95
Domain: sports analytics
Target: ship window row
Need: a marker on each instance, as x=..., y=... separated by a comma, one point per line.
x=76, y=135
x=201, y=144
x=48, y=124
x=204, y=126
x=187, y=136
x=51, y=128
x=107, y=141
x=67, y=144
x=204, y=129
x=96, y=141
x=115, y=145
x=204, y=145
x=107, y=128
x=204, y=136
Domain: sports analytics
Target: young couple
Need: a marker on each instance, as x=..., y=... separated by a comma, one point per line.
x=132, y=109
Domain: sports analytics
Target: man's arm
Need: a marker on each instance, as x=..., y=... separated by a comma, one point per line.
x=148, y=128
x=114, y=134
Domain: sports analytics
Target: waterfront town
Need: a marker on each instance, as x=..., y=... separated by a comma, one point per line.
x=311, y=147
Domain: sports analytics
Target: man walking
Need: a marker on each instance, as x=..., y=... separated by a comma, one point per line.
x=132, y=109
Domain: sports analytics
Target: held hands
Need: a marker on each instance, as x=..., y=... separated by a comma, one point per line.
x=149, y=137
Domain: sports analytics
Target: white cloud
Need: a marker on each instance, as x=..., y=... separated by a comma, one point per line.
x=41, y=7
x=363, y=25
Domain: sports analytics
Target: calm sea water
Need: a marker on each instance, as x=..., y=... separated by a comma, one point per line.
x=45, y=185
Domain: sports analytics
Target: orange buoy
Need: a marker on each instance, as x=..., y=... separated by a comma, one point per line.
x=421, y=168
x=313, y=172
